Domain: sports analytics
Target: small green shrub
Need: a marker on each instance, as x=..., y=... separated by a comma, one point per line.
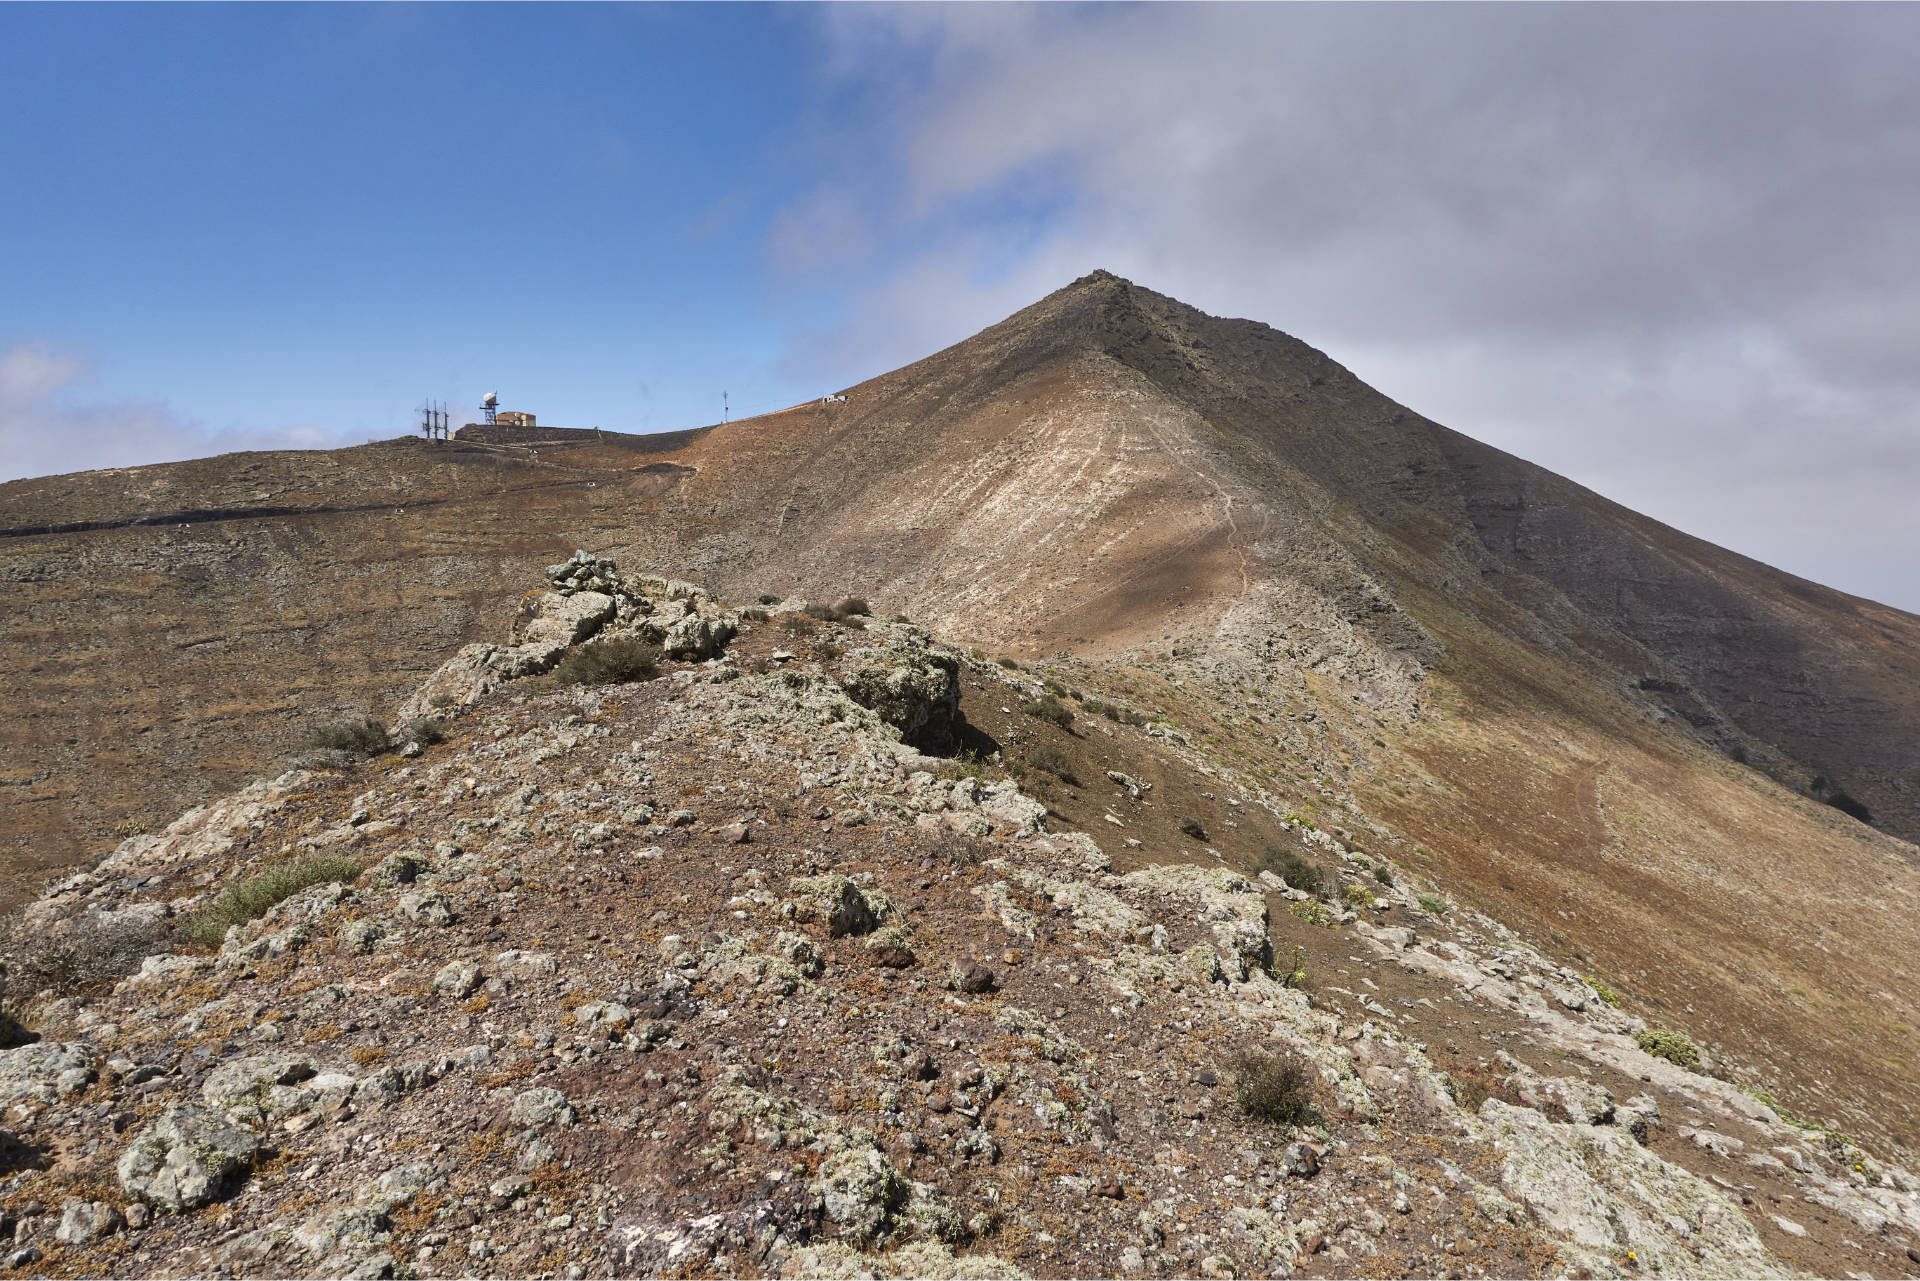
x=614, y=661
x=1358, y=896
x=1434, y=904
x=1010, y=664
x=1383, y=874
x=1191, y=826
x=356, y=736
x=1277, y=1088
x=1112, y=711
x=1050, y=709
x=852, y=607
x=250, y=899
x=1604, y=992
x=768, y=598
x=425, y=730
x=1053, y=761
x=1671, y=1046
x=1292, y=972
x=1312, y=911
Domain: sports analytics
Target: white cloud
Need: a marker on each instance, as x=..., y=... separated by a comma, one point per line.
x=1665, y=250
x=47, y=426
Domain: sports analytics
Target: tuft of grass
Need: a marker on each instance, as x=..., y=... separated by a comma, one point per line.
x=1663, y=1043
x=355, y=735
x=613, y=661
x=1433, y=904
x=1277, y=1088
x=1050, y=709
x=1053, y=761
x=252, y=898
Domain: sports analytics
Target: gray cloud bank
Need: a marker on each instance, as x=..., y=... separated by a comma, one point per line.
x=47, y=426
x=1667, y=251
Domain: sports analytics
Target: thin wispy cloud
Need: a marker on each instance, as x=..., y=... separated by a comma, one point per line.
x=49, y=424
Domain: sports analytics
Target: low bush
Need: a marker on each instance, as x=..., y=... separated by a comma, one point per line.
x=1433, y=904
x=768, y=598
x=1011, y=665
x=1297, y=871
x=250, y=899
x=957, y=849
x=1850, y=807
x=613, y=661
x=356, y=736
x=1277, y=1088
x=1050, y=709
x=1053, y=761
x=756, y=615
x=1382, y=874
x=1604, y=992
x=1358, y=896
x=796, y=624
x=852, y=607
x=1671, y=1046
x=88, y=953
x=1191, y=826
x=425, y=730
x=1113, y=712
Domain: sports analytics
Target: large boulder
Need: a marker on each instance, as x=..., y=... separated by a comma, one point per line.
x=905, y=681
x=552, y=619
x=186, y=1158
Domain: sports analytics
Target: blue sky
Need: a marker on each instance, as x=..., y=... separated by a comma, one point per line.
x=1664, y=250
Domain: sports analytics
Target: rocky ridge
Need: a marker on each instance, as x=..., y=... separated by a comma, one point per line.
x=722, y=973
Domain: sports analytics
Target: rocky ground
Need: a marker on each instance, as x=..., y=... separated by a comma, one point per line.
x=784, y=963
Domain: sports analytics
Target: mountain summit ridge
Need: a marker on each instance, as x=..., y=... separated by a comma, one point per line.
x=1622, y=743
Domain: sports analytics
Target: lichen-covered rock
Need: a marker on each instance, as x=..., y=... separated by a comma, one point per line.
x=540, y=1107
x=259, y=1082
x=849, y=909
x=43, y=1071
x=904, y=680
x=698, y=637
x=861, y=1191
x=83, y=1222
x=186, y=1158
x=1603, y=1194
x=1229, y=904
x=1010, y=811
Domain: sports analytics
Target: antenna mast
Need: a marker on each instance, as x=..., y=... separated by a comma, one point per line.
x=724, y=411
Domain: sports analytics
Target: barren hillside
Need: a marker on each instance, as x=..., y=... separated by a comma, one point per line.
x=1599, y=731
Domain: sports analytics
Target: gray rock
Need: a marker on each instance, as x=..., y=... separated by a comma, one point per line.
x=186, y=1158
x=542, y=1106
x=82, y=1222
x=903, y=681
x=427, y=907
x=40, y=1071
x=456, y=979
x=861, y=1191
x=257, y=1082
x=847, y=906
